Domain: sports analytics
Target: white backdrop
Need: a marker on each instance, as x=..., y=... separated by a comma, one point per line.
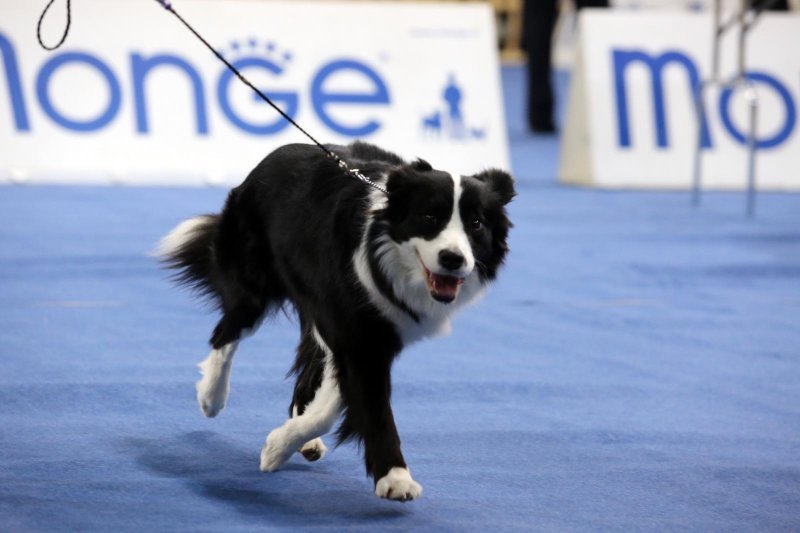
x=622, y=132
x=132, y=97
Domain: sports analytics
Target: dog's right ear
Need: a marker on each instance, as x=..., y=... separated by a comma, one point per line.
x=398, y=181
x=421, y=165
x=398, y=185
x=402, y=177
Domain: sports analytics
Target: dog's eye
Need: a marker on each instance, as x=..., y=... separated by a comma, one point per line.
x=476, y=224
x=429, y=219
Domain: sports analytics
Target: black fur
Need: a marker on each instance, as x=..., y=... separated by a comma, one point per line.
x=288, y=234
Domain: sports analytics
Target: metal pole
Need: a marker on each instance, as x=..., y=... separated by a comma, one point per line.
x=743, y=27
x=699, y=104
x=745, y=19
x=699, y=110
x=718, y=31
x=752, y=97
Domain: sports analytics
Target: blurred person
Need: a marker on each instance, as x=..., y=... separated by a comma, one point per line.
x=538, y=24
x=779, y=5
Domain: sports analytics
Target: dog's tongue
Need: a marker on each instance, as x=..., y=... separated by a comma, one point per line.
x=444, y=288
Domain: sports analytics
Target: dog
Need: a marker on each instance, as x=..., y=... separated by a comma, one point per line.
x=433, y=123
x=366, y=273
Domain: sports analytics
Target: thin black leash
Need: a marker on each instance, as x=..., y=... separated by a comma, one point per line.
x=66, y=28
x=168, y=6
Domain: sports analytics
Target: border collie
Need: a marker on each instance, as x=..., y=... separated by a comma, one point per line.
x=365, y=272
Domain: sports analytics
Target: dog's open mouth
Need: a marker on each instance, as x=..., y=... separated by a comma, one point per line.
x=442, y=288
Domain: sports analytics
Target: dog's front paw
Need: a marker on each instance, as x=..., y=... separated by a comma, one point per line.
x=313, y=450
x=212, y=395
x=398, y=485
x=276, y=451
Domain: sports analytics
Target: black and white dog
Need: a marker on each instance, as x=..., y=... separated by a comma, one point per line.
x=366, y=273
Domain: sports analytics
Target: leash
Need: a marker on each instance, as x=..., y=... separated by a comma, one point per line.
x=66, y=28
x=168, y=6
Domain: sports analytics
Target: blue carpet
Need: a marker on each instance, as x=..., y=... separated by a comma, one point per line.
x=636, y=368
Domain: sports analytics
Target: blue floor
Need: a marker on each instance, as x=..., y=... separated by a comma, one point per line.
x=636, y=368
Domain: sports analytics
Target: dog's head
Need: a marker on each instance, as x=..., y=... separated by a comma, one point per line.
x=446, y=231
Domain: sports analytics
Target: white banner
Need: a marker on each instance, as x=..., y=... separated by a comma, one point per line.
x=631, y=120
x=133, y=97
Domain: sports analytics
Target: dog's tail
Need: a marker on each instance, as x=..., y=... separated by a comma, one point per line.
x=190, y=249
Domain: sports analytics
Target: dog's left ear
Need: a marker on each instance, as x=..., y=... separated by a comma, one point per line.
x=500, y=182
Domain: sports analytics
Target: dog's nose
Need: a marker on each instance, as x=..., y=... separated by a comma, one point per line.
x=451, y=260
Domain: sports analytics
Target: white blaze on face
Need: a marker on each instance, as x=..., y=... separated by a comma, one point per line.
x=452, y=238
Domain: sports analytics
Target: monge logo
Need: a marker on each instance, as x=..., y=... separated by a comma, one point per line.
x=253, y=56
x=622, y=59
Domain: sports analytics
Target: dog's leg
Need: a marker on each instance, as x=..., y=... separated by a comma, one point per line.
x=302, y=431
x=311, y=366
x=369, y=416
x=385, y=460
x=213, y=388
x=313, y=450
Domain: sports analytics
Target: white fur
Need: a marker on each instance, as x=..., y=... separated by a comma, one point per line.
x=213, y=388
x=397, y=484
x=317, y=418
x=401, y=265
x=316, y=446
x=180, y=235
x=452, y=238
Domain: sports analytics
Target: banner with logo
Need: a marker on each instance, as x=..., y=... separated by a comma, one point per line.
x=133, y=97
x=631, y=119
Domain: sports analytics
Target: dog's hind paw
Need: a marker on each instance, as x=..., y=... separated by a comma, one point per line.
x=398, y=485
x=276, y=451
x=313, y=450
x=213, y=388
x=211, y=396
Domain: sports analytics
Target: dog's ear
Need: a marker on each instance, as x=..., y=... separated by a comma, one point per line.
x=398, y=181
x=402, y=178
x=421, y=165
x=500, y=182
x=399, y=185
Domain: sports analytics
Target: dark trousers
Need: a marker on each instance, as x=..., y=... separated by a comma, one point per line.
x=538, y=23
